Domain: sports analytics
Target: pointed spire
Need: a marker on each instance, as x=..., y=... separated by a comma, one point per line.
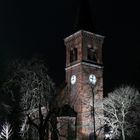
x=83, y=19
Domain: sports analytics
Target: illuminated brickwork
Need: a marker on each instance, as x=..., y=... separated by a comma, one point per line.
x=88, y=61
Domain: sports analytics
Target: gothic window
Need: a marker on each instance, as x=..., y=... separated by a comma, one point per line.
x=91, y=54
x=73, y=55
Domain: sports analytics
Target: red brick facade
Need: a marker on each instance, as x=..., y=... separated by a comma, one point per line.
x=84, y=57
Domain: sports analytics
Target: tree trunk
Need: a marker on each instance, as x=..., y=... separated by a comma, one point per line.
x=123, y=135
x=47, y=133
x=41, y=134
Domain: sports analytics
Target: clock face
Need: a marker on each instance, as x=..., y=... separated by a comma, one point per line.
x=92, y=79
x=73, y=79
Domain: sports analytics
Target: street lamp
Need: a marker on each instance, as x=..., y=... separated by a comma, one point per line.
x=92, y=80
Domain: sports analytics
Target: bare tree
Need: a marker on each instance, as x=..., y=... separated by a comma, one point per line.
x=6, y=131
x=121, y=109
x=37, y=92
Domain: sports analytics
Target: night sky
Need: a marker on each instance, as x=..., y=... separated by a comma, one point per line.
x=30, y=28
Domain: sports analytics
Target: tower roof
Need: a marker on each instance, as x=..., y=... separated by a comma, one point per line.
x=83, y=20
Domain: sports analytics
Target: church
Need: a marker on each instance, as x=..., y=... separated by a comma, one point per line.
x=80, y=101
x=84, y=79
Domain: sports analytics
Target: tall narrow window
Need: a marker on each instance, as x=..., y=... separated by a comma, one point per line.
x=91, y=54
x=73, y=55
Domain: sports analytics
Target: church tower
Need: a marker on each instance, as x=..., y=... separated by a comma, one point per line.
x=84, y=77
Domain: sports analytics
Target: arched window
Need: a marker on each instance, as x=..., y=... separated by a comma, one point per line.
x=91, y=54
x=73, y=55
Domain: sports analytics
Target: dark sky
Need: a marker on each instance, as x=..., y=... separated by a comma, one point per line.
x=32, y=27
